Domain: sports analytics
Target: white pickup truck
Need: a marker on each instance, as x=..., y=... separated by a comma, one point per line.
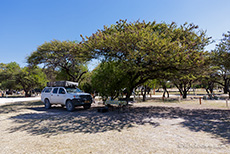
x=66, y=94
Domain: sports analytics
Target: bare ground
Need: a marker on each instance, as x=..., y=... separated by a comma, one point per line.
x=152, y=127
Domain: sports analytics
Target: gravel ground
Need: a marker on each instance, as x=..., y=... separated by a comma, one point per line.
x=152, y=127
x=5, y=100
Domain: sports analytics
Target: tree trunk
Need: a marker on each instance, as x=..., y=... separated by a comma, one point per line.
x=27, y=93
x=209, y=89
x=144, y=94
x=165, y=91
x=128, y=96
x=184, y=94
x=226, y=86
x=184, y=90
x=129, y=93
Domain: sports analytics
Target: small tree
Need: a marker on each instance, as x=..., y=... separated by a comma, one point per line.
x=108, y=79
x=208, y=83
x=221, y=59
x=8, y=75
x=146, y=87
x=31, y=78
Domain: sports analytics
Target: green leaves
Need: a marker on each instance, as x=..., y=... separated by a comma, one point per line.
x=65, y=56
x=8, y=74
x=148, y=48
x=109, y=79
x=27, y=78
x=220, y=58
x=142, y=42
x=31, y=77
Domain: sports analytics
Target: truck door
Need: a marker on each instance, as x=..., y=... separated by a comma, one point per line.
x=54, y=96
x=61, y=96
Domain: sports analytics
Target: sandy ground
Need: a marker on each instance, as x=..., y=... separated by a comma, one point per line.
x=4, y=100
x=152, y=127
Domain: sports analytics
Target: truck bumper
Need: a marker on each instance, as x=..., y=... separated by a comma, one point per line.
x=81, y=102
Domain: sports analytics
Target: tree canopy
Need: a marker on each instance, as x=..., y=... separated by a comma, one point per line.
x=108, y=79
x=221, y=60
x=8, y=75
x=148, y=48
x=13, y=77
x=66, y=56
x=30, y=78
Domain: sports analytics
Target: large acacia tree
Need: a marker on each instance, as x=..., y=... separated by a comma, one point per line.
x=67, y=57
x=148, y=48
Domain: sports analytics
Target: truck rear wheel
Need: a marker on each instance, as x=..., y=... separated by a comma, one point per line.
x=47, y=104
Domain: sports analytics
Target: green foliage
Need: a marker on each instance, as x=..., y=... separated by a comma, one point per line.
x=65, y=56
x=30, y=78
x=221, y=54
x=109, y=80
x=86, y=84
x=80, y=70
x=148, y=49
x=153, y=83
x=87, y=87
x=221, y=60
x=184, y=77
x=8, y=73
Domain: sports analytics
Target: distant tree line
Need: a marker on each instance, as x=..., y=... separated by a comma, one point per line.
x=13, y=77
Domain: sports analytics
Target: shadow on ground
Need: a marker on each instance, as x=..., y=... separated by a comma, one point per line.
x=18, y=106
x=58, y=121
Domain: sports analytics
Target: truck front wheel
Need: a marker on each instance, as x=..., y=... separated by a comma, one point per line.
x=70, y=106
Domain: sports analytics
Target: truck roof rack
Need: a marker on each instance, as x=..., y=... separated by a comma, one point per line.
x=62, y=84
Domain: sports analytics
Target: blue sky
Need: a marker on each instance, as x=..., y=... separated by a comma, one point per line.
x=26, y=24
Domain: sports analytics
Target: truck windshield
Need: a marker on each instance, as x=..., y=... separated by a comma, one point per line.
x=73, y=90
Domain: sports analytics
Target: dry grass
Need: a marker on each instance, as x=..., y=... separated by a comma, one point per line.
x=190, y=103
x=173, y=91
x=150, y=127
